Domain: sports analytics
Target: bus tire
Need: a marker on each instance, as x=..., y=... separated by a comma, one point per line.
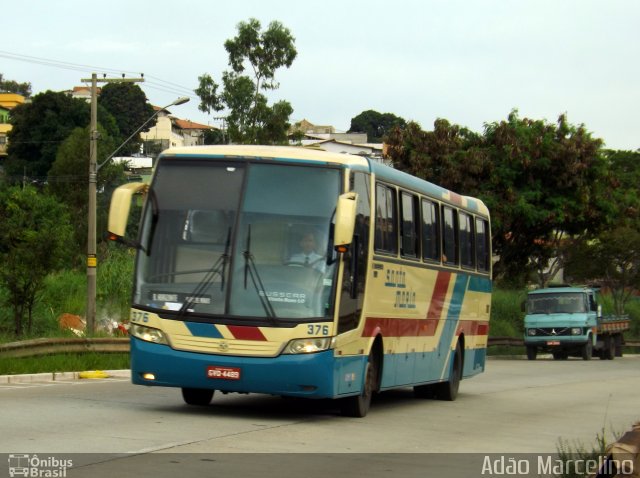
x=425, y=391
x=358, y=405
x=532, y=352
x=197, y=396
x=449, y=390
x=587, y=349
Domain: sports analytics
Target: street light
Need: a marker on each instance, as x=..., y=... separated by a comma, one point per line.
x=92, y=261
x=180, y=101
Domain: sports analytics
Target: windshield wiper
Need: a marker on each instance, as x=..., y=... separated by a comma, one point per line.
x=250, y=270
x=218, y=268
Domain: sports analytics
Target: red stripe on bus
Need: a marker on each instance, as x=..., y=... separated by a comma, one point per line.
x=473, y=327
x=242, y=332
x=396, y=327
x=455, y=198
x=439, y=295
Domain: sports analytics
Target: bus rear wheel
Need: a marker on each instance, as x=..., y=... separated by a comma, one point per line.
x=358, y=405
x=197, y=396
x=449, y=390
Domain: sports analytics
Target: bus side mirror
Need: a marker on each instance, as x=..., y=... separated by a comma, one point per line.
x=120, y=206
x=345, y=221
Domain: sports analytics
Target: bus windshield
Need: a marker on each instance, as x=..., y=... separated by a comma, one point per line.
x=247, y=241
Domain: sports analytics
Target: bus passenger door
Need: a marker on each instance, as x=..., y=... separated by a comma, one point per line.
x=355, y=260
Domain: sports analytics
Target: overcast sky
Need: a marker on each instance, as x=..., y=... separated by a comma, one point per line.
x=470, y=62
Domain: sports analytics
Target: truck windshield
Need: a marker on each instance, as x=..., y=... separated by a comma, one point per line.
x=242, y=240
x=556, y=303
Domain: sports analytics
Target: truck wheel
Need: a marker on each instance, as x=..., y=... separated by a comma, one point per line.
x=587, y=350
x=532, y=352
x=617, y=340
x=609, y=350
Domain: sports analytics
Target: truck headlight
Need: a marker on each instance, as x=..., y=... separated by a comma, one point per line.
x=576, y=331
x=308, y=346
x=531, y=332
x=148, y=334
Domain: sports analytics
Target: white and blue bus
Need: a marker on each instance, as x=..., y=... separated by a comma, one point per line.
x=298, y=272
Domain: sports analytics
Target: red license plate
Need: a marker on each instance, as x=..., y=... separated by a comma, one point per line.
x=224, y=373
x=553, y=342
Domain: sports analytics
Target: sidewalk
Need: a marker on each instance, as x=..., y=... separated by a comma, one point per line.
x=63, y=376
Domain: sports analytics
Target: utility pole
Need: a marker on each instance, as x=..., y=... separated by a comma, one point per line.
x=92, y=259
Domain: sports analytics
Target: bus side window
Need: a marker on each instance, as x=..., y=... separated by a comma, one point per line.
x=386, y=238
x=467, y=243
x=430, y=231
x=450, y=248
x=482, y=245
x=409, y=232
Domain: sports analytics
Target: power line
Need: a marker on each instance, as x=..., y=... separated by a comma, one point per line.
x=159, y=84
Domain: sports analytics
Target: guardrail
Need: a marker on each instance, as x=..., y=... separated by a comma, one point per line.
x=35, y=347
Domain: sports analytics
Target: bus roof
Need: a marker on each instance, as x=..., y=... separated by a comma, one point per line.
x=268, y=152
x=298, y=153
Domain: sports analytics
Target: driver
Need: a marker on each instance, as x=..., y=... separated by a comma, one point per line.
x=308, y=255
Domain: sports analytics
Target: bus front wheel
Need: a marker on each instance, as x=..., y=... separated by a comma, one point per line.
x=358, y=405
x=197, y=396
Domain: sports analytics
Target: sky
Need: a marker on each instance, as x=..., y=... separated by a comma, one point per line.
x=471, y=62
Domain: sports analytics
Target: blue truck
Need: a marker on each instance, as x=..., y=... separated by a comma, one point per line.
x=567, y=321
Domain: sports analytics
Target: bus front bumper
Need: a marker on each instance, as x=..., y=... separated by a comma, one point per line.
x=303, y=375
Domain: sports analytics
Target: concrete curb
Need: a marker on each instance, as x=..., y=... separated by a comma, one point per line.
x=59, y=377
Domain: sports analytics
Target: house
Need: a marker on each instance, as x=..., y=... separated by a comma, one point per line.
x=326, y=138
x=170, y=131
x=8, y=101
x=82, y=92
x=336, y=146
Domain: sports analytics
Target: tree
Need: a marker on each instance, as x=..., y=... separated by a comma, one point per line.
x=39, y=127
x=68, y=182
x=376, y=125
x=612, y=260
x=128, y=104
x=542, y=182
x=34, y=240
x=450, y=155
x=622, y=186
x=11, y=86
x=546, y=185
x=250, y=119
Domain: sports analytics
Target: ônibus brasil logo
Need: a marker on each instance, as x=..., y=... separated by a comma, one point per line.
x=38, y=467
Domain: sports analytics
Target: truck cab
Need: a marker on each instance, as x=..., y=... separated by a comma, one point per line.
x=563, y=321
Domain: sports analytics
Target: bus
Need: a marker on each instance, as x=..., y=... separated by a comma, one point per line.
x=395, y=291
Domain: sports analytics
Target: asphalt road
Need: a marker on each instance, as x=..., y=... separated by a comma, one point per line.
x=515, y=407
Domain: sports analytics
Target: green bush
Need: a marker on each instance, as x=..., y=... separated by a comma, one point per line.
x=506, y=313
x=66, y=292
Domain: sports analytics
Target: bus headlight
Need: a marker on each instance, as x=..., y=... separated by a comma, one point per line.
x=531, y=332
x=148, y=334
x=576, y=331
x=308, y=346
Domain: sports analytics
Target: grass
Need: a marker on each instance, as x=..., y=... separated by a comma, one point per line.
x=575, y=455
